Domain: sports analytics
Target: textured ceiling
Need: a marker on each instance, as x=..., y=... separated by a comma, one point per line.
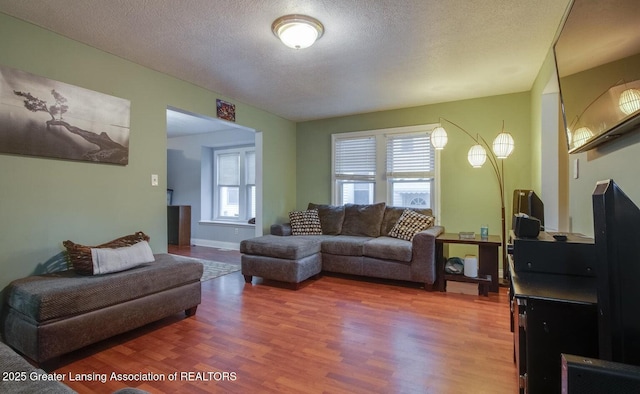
x=375, y=54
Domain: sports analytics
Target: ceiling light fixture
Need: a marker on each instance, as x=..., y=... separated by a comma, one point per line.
x=297, y=31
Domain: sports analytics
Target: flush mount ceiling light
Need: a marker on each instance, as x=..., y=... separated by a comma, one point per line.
x=297, y=31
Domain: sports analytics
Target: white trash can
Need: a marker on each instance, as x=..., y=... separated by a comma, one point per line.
x=471, y=266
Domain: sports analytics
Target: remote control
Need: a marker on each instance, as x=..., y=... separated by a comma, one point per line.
x=560, y=237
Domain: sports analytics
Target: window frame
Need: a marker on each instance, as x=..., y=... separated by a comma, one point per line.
x=381, y=182
x=244, y=188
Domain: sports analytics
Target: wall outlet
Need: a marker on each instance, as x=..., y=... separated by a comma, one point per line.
x=235, y=231
x=154, y=179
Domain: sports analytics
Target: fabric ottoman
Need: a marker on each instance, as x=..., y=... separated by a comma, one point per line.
x=53, y=314
x=290, y=259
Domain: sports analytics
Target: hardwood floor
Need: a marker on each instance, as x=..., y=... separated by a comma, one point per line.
x=334, y=335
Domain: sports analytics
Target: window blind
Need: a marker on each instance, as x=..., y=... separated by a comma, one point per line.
x=355, y=158
x=410, y=156
x=229, y=169
x=250, y=158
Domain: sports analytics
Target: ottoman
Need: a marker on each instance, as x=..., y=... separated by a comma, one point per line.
x=53, y=314
x=290, y=259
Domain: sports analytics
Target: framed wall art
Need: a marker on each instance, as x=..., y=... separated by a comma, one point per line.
x=226, y=111
x=47, y=118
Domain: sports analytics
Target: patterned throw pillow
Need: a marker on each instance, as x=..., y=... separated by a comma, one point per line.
x=305, y=222
x=409, y=224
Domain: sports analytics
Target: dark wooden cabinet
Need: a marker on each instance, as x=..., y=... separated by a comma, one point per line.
x=551, y=314
x=179, y=225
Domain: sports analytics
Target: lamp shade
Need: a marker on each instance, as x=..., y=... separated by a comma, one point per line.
x=297, y=31
x=581, y=135
x=629, y=101
x=477, y=156
x=503, y=145
x=439, y=138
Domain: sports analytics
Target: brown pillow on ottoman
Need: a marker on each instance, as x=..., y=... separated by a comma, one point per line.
x=80, y=257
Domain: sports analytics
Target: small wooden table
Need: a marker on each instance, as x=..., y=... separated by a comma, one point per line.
x=487, y=279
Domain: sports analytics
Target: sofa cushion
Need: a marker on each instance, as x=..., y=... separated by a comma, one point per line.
x=392, y=215
x=66, y=293
x=35, y=381
x=305, y=222
x=409, y=224
x=291, y=248
x=388, y=248
x=345, y=245
x=331, y=217
x=363, y=220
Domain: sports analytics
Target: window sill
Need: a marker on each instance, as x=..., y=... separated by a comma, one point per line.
x=227, y=223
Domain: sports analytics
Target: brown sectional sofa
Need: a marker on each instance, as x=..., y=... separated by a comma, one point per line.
x=355, y=240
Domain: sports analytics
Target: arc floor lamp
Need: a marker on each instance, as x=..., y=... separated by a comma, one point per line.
x=501, y=148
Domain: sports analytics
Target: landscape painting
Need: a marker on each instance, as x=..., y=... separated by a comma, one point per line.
x=43, y=117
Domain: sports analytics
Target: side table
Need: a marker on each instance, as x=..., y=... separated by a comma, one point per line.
x=487, y=279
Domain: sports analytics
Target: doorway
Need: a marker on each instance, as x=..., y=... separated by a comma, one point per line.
x=193, y=143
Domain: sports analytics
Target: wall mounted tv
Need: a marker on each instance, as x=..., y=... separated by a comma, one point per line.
x=597, y=55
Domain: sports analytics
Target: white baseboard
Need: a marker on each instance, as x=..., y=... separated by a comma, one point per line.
x=215, y=244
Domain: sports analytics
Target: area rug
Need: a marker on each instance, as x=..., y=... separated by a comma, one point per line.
x=212, y=269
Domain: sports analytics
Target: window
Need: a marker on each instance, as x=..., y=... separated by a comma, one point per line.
x=410, y=170
x=397, y=166
x=234, y=180
x=355, y=169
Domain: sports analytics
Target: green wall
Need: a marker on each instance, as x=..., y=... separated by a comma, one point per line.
x=469, y=196
x=46, y=201
x=614, y=160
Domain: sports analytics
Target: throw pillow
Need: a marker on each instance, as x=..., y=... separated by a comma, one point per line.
x=331, y=217
x=363, y=220
x=305, y=222
x=107, y=260
x=392, y=215
x=80, y=256
x=409, y=224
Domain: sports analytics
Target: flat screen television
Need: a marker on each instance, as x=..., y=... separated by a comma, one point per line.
x=616, y=222
x=597, y=53
x=528, y=202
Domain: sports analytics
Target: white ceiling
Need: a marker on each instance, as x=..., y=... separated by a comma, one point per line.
x=181, y=124
x=374, y=55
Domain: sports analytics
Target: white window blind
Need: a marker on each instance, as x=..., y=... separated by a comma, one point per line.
x=234, y=184
x=355, y=158
x=250, y=157
x=410, y=156
x=229, y=169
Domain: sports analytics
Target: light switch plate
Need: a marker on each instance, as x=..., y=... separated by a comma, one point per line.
x=154, y=179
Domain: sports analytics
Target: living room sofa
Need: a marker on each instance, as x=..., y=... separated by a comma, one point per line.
x=354, y=239
x=21, y=377
x=56, y=313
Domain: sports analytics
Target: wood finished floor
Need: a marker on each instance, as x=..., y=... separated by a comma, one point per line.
x=334, y=335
